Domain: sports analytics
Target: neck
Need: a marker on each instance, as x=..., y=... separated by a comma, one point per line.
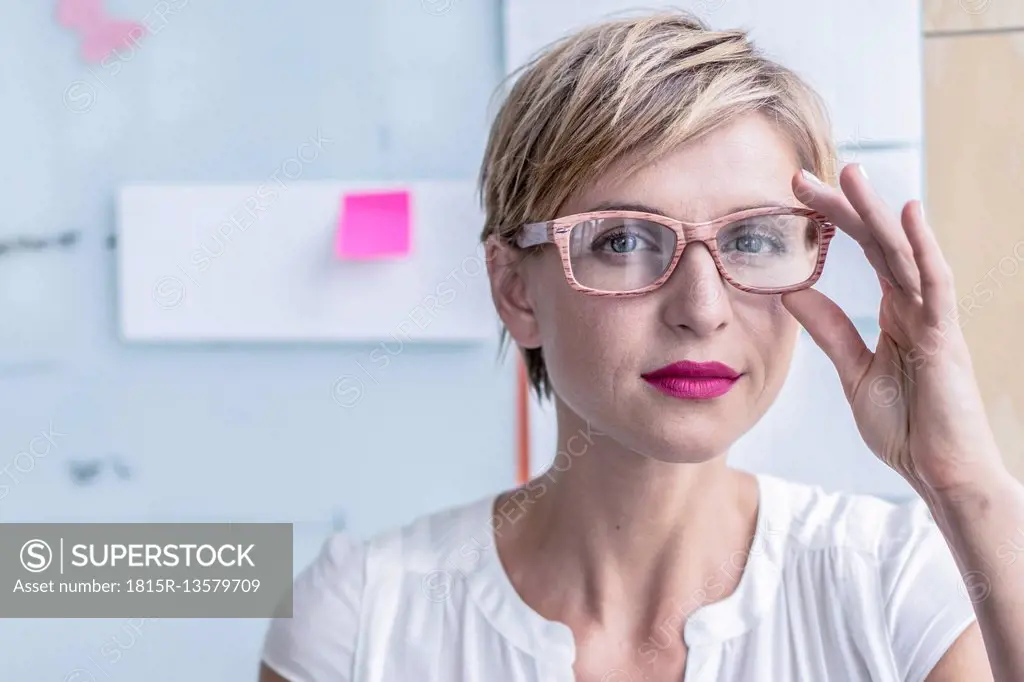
x=642, y=535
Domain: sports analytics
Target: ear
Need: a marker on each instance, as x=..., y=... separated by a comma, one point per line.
x=505, y=265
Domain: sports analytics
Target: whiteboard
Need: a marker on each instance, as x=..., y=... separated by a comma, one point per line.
x=196, y=265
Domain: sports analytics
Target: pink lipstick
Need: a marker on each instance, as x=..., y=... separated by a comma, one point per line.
x=693, y=380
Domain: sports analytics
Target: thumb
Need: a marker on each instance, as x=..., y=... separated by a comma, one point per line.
x=833, y=332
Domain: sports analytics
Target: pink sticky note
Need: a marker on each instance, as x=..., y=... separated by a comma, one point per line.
x=101, y=34
x=373, y=225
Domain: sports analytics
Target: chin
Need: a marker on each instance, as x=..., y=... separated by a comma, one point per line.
x=691, y=450
x=693, y=432
x=682, y=443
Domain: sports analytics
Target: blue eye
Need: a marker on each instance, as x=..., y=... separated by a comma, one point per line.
x=750, y=243
x=756, y=243
x=623, y=243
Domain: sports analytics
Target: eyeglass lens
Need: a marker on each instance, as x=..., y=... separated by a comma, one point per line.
x=627, y=254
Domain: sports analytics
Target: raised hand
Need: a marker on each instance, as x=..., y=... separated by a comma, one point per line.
x=915, y=398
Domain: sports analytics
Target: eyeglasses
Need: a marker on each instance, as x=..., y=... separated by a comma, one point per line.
x=623, y=253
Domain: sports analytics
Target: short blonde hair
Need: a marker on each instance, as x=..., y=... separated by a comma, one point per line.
x=630, y=89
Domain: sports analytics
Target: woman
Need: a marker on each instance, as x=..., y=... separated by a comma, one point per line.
x=640, y=555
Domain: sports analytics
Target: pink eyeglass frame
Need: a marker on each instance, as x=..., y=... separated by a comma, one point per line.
x=557, y=232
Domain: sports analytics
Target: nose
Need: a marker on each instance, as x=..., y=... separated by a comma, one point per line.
x=696, y=296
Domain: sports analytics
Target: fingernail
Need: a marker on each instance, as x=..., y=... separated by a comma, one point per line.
x=920, y=211
x=863, y=171
x=811, y=177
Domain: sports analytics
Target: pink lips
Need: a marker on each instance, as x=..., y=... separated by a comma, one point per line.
x=693, y=380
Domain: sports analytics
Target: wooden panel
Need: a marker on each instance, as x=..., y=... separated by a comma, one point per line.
x=972, y=15
x=974, y=93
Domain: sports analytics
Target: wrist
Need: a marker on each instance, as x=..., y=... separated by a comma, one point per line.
x=974, y=494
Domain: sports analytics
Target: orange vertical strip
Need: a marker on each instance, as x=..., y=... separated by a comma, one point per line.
x=522, y=425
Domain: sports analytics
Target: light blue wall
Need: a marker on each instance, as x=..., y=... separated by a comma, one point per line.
x=226, y=91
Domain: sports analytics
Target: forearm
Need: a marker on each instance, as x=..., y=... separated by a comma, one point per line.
x=984, y=527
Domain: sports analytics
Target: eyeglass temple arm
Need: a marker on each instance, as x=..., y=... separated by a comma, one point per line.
x=534, y=234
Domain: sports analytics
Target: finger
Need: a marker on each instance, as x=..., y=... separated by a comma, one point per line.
x=938, y=292
x=884, y=226
x=817, y=195
x=834, y=333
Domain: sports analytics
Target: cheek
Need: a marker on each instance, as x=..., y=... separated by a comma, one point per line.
x=586, y=339
x=771, y=332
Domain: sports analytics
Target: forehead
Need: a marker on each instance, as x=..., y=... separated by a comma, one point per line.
x=746, y=163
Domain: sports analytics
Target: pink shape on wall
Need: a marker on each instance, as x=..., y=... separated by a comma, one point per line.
x=101, y=34
x=374, y=225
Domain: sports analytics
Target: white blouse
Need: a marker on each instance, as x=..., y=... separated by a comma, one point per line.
x=836, y=587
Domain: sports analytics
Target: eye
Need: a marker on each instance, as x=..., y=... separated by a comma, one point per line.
x=755, y=241
x=623, y=240
x=623, y=243
x=750, y=243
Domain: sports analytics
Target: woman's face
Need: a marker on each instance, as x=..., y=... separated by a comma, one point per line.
x=598, y=349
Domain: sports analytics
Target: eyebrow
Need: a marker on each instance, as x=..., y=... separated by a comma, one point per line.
x=624, y=206
x=644, y=208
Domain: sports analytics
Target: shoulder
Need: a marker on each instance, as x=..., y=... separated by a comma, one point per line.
x=885, y=564
x=815, y=519
x=863, y=536
x=318, y=641
x=428, y=542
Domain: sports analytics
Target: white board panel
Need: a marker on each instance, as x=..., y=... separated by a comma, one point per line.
x=878, y=97
x=199, y=263
x=42, y=305
x=863, y=58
